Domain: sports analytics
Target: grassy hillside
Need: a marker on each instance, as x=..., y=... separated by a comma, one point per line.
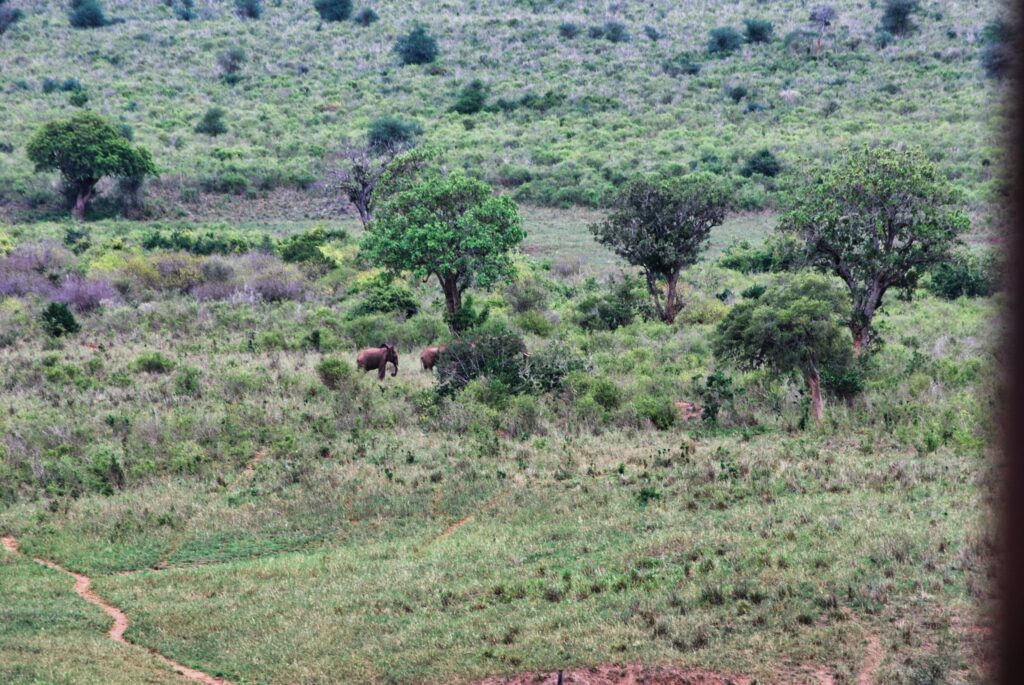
x=595, y=112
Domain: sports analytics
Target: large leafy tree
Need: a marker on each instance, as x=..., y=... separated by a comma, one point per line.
x=662, y=226
x=451, y=227
x=878, y=219
x=796, y=324
x=84, y=149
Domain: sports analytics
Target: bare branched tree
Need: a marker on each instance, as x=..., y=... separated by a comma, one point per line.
x=354, y=172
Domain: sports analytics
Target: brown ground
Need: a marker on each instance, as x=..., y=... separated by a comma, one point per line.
x=622, y=675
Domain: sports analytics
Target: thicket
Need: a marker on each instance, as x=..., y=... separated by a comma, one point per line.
x=417, y=46
x=724, y=40
x=333, y=10
x=86, y=14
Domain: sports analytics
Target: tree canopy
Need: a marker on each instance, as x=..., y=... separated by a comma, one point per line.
x=85, y=148
x=662, y=226
x=878, y=219
x=794, y=325
x=451, y=227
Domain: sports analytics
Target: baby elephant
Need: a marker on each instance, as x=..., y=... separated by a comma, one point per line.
x=429, y=356
x=378, y=358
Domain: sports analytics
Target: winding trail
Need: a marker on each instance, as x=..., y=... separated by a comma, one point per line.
x=447, y=532
x=83, y=588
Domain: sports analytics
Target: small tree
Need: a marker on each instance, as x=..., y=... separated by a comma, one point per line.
x=249, y=9
x=84, y=149
x=58, y=320
x=417, y=46
x=662, y=226
x=450, y=227
x=897, y=18
x=333, y=10
x=386, y=133
x=212, y=123
x=795, y=325
x=471, y=98
x=724, y=40
x=356, y=172
x=8, y=16
x=86, y=14
x=822, y=18
x=759, y=30
x=878, y=219
x=366, y=16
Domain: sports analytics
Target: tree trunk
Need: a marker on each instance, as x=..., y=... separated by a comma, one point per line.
x=452, y=294
x=813, y=379
x=652, y=287
x=81, y=200
x=671, y=306
x=860, y=339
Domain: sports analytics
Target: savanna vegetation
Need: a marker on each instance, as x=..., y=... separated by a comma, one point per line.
x=716, y=311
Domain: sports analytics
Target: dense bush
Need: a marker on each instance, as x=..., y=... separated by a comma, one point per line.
x=997, y=48
x=618, y=306
x=230, y=62
x=681, y=64
x=550, y=365
x=366, y=16
x=153, y=362
x=965, y=275
x=897, y=16
x=612, y=31
x=51, y=85
x=333, y=10
x=497, y=355
x=568, y=30
x=204, y=242
x=724, y=40
x=84, y=295
x=249, y=9
x=385, y=132
x=716, y=394
x=417, y=46
x=761, y=162
x=86, y=14
x=334, y=373
x=659, y=411
x=8, y=16
x=737, y=92
x=383, y=294
x=58, y=320
x=212, y=123
x=472, y=98
x=78, y=98
x=304, y=249
x=185, y=10
x=779, y=253
x=758, y=30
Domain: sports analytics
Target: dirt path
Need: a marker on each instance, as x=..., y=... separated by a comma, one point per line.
x=872, y=660
x=83, y=588
x=447, y=532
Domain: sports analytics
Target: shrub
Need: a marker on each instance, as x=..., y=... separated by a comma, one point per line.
x=185, y=10
x=997, y=48
x=779, y=253
x=761, y=162
x=965, y=275
x=536, y=323
x=550, y=365
x=333, y=10
x=736, y=93
x=660, y=412
x=153, y=362
x=568, y=30
x=417, y=46
x=366, y=16
x=703, y=311
x=386, y=132
x=716, y=394
x=652, y=32
x=187, y=381
x=494, y=354
x=897, y=17
x=87, y=14
x=8, y=17
x=334, y=373
x=883, y=39
x=84, y=295
x=383, y=294
x=58, y=320
x=304, y=248
x=79, y=98
x=612, y=31
x=471, y=98
x=230, y=62
x=616, y=307
x=801, y=42
x=212, y=123
x=724, y=40
x=526, y=293
x=605, y=393
x=681, y=64
x=759, y=30
x=249, y=9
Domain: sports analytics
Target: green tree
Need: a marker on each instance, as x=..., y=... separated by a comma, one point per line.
x=450, y=227
x=795, y=325
x=417, y=46
x=878, y=219
x=333, y=10
x=662, y=226
x=86, y=14
x=85, y=148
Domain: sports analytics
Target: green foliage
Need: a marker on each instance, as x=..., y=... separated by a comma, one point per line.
x=417, y=46
x=796, y=325
x=333, y=10
x=85, y=148
x=223, y=241
x=304, y=248
x=230, y=62
x=185, y=10
x=681, y=64
x=662, y=226
x=618, y=306
x=467, y=316
x=249, y=9
x=758, y=30
x=965, y=274
x=496, y=355
x=58, y=320
x=737, y=92
x=568, y=30
x=384, y=294
x=79, y=98
x=86, y=14
x=471, y=98
x=612, y=31
x=551, y=365
x=188, y=381
x=451, y=227
x=9, y=16
x=897, y=18
x=724, y=40
x=659, y=411
x=366, y=16
x=762, y=162
x=334, y=373
x=997, y=52
x=153, y=362
x=878, y=219
x=389, y=132
x=716, y=394
x=780, y=252
x=212, y=123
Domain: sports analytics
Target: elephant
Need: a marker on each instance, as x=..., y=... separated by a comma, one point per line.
x=378, y=358
x=429, y=356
